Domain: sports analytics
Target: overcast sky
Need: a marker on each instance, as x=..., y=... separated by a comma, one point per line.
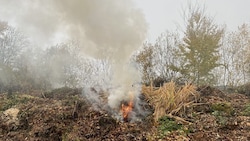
x=163, y=15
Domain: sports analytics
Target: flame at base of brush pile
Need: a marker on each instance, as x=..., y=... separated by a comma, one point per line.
x=127, y=107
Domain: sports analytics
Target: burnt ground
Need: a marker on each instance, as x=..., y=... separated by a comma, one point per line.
x=64, y=114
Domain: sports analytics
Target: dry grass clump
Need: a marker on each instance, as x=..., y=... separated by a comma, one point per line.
x=170, y=99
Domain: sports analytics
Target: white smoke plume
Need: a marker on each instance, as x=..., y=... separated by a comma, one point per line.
x=111, y=29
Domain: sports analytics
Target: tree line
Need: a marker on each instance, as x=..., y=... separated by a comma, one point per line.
x=24, y=67
x=204, y=53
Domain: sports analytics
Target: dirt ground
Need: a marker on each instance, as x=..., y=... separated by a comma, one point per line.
x=64, y=114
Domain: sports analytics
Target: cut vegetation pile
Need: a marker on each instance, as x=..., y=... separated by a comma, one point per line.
x=170, y=99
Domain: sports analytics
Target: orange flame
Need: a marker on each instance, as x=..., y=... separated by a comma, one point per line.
x=126, y=109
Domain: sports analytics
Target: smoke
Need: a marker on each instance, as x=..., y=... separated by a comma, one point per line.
x=105, y=29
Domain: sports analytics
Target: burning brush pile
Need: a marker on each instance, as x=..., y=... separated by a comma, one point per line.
x=125, y=106
x=168, y=100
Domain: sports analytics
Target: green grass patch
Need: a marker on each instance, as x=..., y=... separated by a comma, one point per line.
x=166, y=125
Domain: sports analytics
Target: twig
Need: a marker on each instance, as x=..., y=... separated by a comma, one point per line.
x=43, y=95
x=74, y=114
x=178, y=119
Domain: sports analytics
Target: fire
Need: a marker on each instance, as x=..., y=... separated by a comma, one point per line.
x=126, y=108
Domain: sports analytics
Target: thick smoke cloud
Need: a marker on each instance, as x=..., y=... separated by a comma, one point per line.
x=111, y=29
x=100, y=25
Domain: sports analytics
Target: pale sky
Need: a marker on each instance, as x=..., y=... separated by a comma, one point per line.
x=163, y=15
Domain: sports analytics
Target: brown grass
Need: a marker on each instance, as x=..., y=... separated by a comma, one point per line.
x=170, y=99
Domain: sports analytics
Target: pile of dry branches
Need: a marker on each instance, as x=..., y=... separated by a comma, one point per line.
x=169, y=99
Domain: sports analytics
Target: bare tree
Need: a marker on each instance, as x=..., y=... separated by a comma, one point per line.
x=165, y=48
x=145, y=62
x=235, y=55
x=12, y=45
